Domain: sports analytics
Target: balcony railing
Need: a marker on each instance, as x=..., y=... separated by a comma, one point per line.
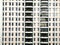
x=44, y=0
x=44, y=4
x=28, y=0
x=29, y=4
x=44, y=25
x=28, y=40
x=28, y=34
x=44, y=29
x=43, y=44
x=28, y=19
x=44, y=19
x=44, y=34
x=28, y=44
x=28, y=24
x=44, y=39
x=43, y=15
x=28, y=29
x=28, y=14
x=28, y=9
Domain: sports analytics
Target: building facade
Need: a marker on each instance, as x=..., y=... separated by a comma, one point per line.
x=30, y=22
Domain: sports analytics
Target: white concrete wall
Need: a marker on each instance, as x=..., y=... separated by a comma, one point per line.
x=1, y=22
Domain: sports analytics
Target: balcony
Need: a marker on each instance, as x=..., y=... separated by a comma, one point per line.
x=43, y=44
x=28, y=40
x=44, y=5
x=43, y=34
x=44, y=20
x=43, y=29
x=28, y=19
x=44, y=0
x=44, y=40
x=44, y=9
x=28, y=14
x=28, y=34
x=44, y=15
x=28, y=24
x=28, y=44
x=28, y=0
x=43, y=24
x=28, y=9
x=28, y=30
x=28, y=4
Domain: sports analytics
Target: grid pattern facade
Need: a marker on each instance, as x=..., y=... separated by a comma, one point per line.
x=31, y=22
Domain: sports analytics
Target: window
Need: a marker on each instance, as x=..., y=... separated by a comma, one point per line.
x=49, y=39
x=22, y=24
x=19, y=28
x=5, y=34
x=9, y=24
x=22, y=19
x=34, y=39
x=5, y=39
x=53, y=19
x=12, y=3
x=15, y=39
x=23, y=4
x=22, y=29
x=18, y=34
x=12, y=43
x=34, y=4
x=22, y=14
x=22, y=39
x=5, y=8
x=5, y=24
x=53, y=24
x=49, y=24
x=9, y=14
x=12, y=34
x=12, y=39
x=9, y=8
x=22, y=43
x=38, y=34
x=9, y=34
x=5, y=43
x=56, y=4
x=9, y=3
x=9, y=39
x=5, y=18
x=18, y=43
x=59, y=34
x=19, y=3
x=38, y=39
x=34, y=34
x=3, y=28
x=49, y=29
x=49, y=43
x=12, y=8
x=53, y=39
x=22, y=9
x=49, y=34
x=22, y=34
x=5, y=3
x=53, y=4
